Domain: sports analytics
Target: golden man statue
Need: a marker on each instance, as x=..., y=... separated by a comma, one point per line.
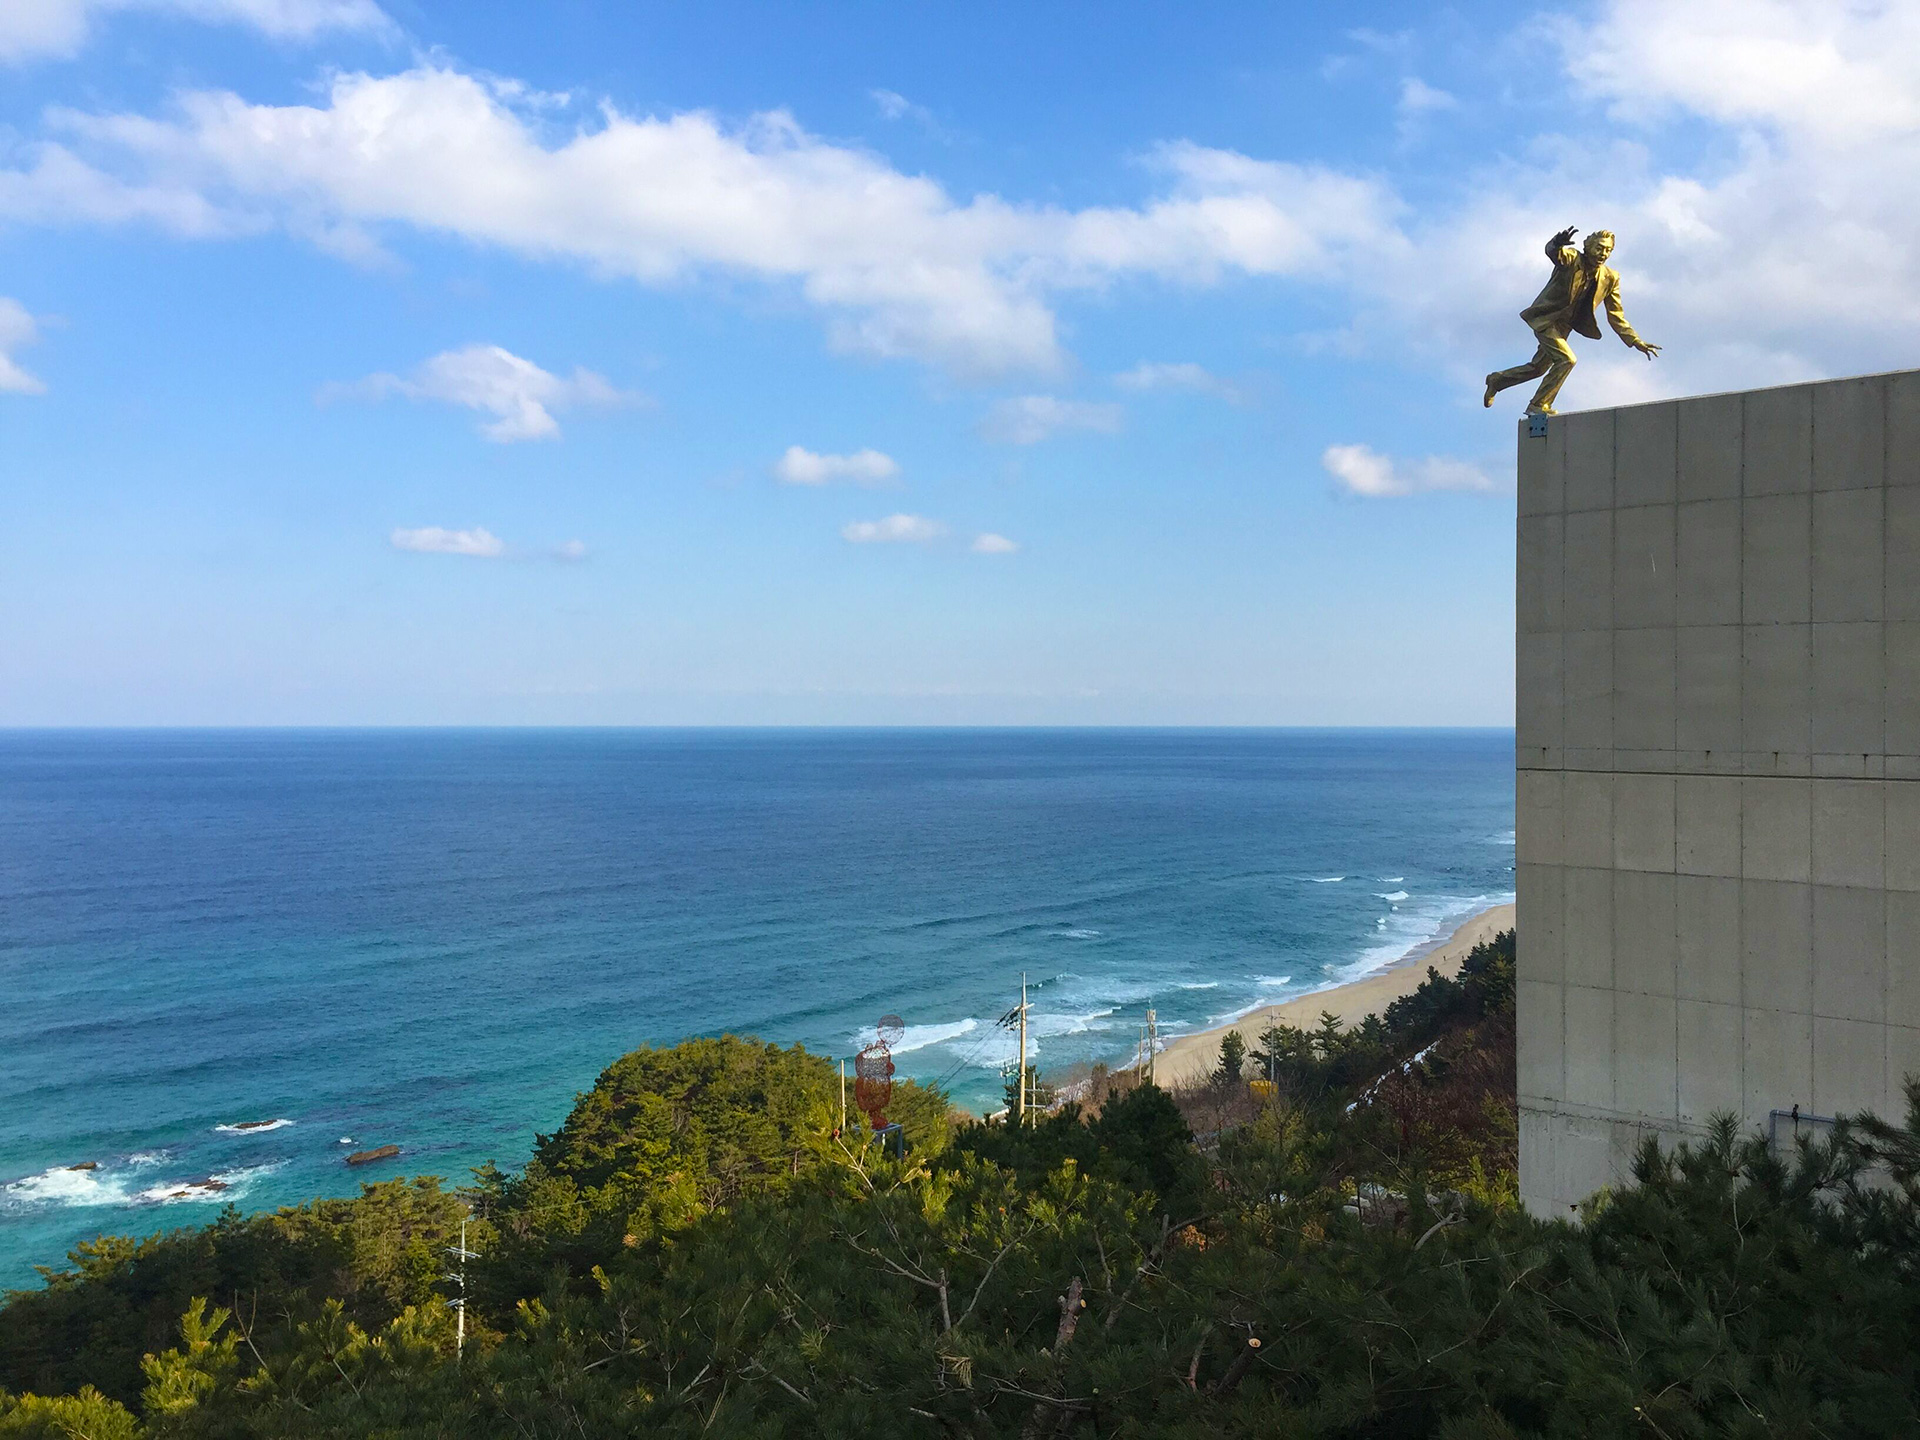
x=1580, y=278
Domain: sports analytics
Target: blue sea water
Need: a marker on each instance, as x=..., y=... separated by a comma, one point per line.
x=436, y=938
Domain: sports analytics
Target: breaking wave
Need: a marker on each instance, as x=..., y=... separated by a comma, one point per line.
x=918, y=1037
x=223, y=1186
x=67, y=1187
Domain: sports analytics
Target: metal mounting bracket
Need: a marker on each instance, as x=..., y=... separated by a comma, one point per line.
x=1536, y=425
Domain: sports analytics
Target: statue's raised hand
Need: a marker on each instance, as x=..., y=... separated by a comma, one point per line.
x=1565, y=237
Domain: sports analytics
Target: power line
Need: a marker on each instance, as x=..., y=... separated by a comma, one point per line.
x=947, y=1076
x=967, y=1059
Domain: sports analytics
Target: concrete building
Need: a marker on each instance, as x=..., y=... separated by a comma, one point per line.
x=1719, y=769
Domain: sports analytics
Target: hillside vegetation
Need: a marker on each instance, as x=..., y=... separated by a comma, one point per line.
x=696, y=1252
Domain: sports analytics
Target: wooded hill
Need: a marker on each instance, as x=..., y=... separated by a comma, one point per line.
x=696, y=1252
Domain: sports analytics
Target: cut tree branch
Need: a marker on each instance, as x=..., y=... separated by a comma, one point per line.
x=1049, y=1413
x=1237, y=1371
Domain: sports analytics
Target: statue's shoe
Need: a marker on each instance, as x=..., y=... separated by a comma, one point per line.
x=1486, y=401
x=1543, y=410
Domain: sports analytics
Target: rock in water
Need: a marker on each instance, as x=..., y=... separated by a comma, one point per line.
x=367, y=1157
x=193, y=1190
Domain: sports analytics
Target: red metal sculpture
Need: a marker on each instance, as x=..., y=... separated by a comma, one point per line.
x=873, y=1071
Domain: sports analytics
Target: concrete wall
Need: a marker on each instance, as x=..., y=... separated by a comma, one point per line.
x=1719, y=768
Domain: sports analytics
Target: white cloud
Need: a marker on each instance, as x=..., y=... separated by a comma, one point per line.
x=1420, y=101
x=800, y=466
x=895, y=106
x=517, y=393
x=1361, y=470
x=1029, y=419
x=570, y=550
x=1384, y=42
x=893, y=529
x=1178, y=375
x=1818, y=215
x=17, y=328
x=1230, y=212
x=1783, y=246
x=1419, y=98
x=895, y=264
x=434, y=540
x=1784, y=249
x=989, y=543
x=45, y=29
x=1839, y=73
x=59, y=188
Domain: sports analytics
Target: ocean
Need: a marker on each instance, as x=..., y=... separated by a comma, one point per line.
x=436, y=938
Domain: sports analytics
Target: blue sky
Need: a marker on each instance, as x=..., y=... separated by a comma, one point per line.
x=1082, y=364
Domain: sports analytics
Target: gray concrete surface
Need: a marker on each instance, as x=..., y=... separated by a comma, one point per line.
x=1718, y=736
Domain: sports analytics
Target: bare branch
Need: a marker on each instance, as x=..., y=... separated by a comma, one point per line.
x=981, y=1287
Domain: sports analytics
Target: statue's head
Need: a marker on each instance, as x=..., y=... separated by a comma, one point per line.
x=1599, y=244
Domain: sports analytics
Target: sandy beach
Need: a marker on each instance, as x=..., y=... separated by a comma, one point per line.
x=1192, y=1057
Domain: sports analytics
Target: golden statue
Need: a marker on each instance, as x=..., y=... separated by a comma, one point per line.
x=1580, y=277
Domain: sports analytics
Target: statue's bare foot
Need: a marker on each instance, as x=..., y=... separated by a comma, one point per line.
x=1486, y=402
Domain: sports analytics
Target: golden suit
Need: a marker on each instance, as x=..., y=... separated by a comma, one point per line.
x=1564, y=306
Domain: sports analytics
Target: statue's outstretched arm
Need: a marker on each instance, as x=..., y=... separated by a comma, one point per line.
x=1560, y=242
x=1617, y=318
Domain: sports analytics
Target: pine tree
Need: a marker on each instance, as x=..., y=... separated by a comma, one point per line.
x=1233, y=1054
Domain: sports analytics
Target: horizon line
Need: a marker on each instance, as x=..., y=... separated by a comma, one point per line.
x=233, y=728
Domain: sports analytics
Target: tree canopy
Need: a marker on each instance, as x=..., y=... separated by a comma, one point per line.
x=697, y=1252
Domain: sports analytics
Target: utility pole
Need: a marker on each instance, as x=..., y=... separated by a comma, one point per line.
x=1020, y=1110
x=1153, y=1040
x=843, y=1097
x=462, y=1254
x=1016, y=1019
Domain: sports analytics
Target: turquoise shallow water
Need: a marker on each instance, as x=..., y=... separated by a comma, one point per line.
x=435, y=938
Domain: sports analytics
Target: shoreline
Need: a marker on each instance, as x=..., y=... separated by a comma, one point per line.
x=1190, y=1058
